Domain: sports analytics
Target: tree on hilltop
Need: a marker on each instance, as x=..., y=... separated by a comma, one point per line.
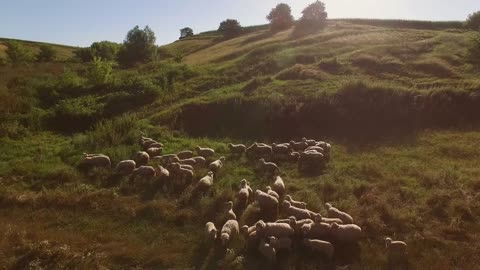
x=186, y=32
x=280, y=17
x=138, y=47
x=314, y=19
x=230, y=28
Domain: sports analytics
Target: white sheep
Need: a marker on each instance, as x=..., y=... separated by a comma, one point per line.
x=230, y=214
x=309, y=142
x=317, y=230
x=96, y=160
x=298, y=146
x=266, y=202
x=154, y=151
x=278, y=185
x=245, y=230
x=184, y=174
x=165, y=159
x=315, y=148
x=188, y=161
x=294, y=156
x=141, y=158
x=320, y=247
x=397, y=250
x=297, y=224
x=210, y=231
x=188, y=167
x=311, y=160
x=155, y=145
x=162, y=172
x=268, y=167
x=298, y=213
x=237, y=148
x=274, y=229
x=267, y=251
x=229, y=231
x=200, y=162
x=282, y=243
x=320, y=218
x=259, y=150
x=272, y=193
x=244, y=193
x=144, y=171
x=298, y=204
x=347, y=232
x=205, y=183
x=333, y=212
x=205, y=152
x=217, y=164
x=185, y=154
x=125, y=167
x=281, y=149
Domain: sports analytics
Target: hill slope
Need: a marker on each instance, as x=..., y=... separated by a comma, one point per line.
x=398, y=105
x=63, y=52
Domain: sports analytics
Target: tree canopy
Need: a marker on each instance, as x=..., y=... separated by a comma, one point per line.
x=314, y=18
x=186, y=32
x=17, y=53
x=473, y=21
x=138, y=47
x=281, y=17
x=230, y=28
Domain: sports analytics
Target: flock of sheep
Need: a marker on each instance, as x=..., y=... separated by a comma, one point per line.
x=301, y=227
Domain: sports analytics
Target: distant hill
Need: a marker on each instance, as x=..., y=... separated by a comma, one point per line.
x=64, y=52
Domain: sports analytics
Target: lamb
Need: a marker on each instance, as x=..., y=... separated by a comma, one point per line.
x=185, y=154
x=333, y=212
x=217, y=164
x=295, y=203
x=141, y=158
x=204, y=184
x=96, y=160
x=274, y=229
x=272, y=193
x=266, y=201
x=280, y=243
x=268, y=167
x=298, y=146
x=230, y=214
x=298, y=213
x=397, y=250
x=346, y=233
x=280, y=149
x=154, y=151
x=309, y=142
x=144, y=171
x=237, y=148
x=320, y=247
x=229, y=231
x=205, y=152
x=267, y=251
x=278, y=186
x=125, y=167
x=317, y=230
x=200, y=162
x=244, y=193
x=210, y=231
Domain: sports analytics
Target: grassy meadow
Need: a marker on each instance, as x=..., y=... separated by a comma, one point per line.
x=399, y=105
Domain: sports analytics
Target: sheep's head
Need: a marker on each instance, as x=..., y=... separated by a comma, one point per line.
x=243, y=182
x=304, y=139
x=305, y=228
x=244, y=230
x=197, y=148
x=388, y=241
x=286, y=204
x=272, y=240
x=210, y=173
x=293, y=221
x=288, y=198
x=222, y=159
x=318, y=218
x=334, y=225
x=260, y=225
x=225, y=237
x=262, y=160
x=268, y=188
x=229, y=205
x=328, y=205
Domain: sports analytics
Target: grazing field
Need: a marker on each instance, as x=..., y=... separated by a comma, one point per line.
x=399, y=105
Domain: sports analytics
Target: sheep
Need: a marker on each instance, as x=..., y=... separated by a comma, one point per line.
x=346, y=233
x=297, y=224
x=188, y=167
x=237, y=148
x=217, y=164
x=278, y=186
x=397, y=250
x=185, y=154
x=230, y=214
x=141, y=158
x=284, y=243
x=320, y=218
x=272, y=193
x=125, y=167
x=311, y=160
x=96, y=160
x=333, y=212
x=155, y=145
x=281, y=149
x=268, y=167
x=244, y=193
x=266, y=201
x=274, y=229
x=320, y=247
x=210, y=231
x=298, y=204
x=200, y=162
x=166, y=158
x=205, y=152
x=296, y=212
x=267, y=251
x=315, y=148
x=317, y=230
x=204, y=184
x=229, y=231
x=298, y=146
x=309, y=142
x=245, y=230
x=294, y=156
x=162, y=172
x=184, y=174
x=144, y=171
x=154, y=151
x=259, y=150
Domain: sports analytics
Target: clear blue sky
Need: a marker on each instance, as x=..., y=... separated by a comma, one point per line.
x=81, y=22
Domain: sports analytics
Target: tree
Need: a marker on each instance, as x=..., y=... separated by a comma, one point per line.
x=314, y=18
x=280, y=17
x=106, y=50
x=138, y=47
x=47, y=53
x=473, y=21
x=230, y=28
x=84, y=54
x=17, y=53
x=186, y=32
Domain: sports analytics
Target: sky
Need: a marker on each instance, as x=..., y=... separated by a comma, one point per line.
x=81, y=22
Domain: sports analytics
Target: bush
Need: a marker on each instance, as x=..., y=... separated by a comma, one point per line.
x=473, y=55
x=84, y=54
x=280, y=17
x=473, y=21
x=138, y=47
x=186, y=32
x=105, y=50
x=99, y=71
x=230, y=28
x=313, y=20
x=47, y=53
x=17, y=53
x=74, y=115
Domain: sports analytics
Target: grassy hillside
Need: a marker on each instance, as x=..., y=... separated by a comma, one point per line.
x=398, y=104
x=62, y=52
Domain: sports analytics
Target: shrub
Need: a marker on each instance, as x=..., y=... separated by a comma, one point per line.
x=230, y=28
x=473, y=55
x=99, y=71
x=17, y=53
x=280, y=17
x=47, y=53
x=105, y=50
x=138, y=47
x=314, y=19
x=73, y=115
x=473, y=21
x=84, y=54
